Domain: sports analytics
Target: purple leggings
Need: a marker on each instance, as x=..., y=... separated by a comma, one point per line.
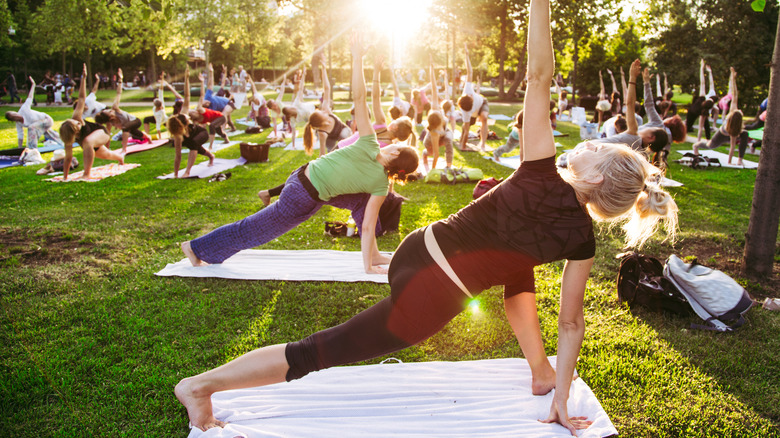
x=297, y=202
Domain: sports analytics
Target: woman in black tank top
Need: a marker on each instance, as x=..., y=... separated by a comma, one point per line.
x=92, y=137
x=189, y=134
x=330, y=129
x=536, y=216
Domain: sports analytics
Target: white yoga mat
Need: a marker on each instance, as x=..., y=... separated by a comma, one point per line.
x=288, y=265
x=724, y=159
x=499, y=117
x=202, y=169
x=218, y=146
x=440, y=164
x=298, y=145
x=482, y=398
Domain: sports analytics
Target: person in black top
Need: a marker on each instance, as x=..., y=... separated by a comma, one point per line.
x=537, y=215
x=185, y=132
x=330, y=129
x=92, y=137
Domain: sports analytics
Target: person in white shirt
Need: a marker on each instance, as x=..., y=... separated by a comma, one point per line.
x=400, y=107
x=473, y=107
x=92, y=106
x=36, y=122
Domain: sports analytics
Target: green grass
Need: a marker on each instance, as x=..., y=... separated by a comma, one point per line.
x=94, y=342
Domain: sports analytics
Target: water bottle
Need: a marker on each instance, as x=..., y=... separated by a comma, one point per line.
x=351, y=227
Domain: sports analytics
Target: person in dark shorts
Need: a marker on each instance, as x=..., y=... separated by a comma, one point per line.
x=536, y=216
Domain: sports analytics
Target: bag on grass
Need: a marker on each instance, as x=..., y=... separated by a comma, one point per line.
x=715, y=297
x=641, y=282
x=484, y=186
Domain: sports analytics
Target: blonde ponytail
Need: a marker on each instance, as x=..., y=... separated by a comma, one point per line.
x=653, y=205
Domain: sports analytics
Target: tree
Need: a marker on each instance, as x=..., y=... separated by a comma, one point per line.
x=507, y=39
x=79, y=27
x=675, y=44
x=576, y=20
x=6, y=23
x=761, y=237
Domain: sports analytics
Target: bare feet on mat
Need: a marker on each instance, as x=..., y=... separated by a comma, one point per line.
x=187, y=249
x=198, y=406
x=211, y=162
x=121, y=159
x=543, y=381
x=264, y=196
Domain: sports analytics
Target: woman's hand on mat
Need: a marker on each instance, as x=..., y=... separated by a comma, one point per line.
x=376, y=270
x=560, y=415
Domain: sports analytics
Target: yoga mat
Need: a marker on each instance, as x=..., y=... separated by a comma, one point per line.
x=499, y=117
x=245, y=121
x=441, y=164
x=132, y=149
x=757, y=134
x=298, y=146
x=481, y=398
x=218, y=146
x=288, y=265
x=97, y=173
x=202, y=169
x=724, y=159
x=559, y=134
x=9, y=161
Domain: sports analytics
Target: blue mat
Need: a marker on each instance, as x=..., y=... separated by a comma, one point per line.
x=6, y=161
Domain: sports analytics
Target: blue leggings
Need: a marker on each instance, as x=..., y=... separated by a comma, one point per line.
x=297, y=202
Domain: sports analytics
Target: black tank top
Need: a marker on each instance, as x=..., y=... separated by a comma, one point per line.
x=338, y=127
x=88, y=128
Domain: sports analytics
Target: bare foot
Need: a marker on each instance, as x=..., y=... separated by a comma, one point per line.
x=121, y=160
x=186, y=175
x=187, y=249
x=264, y=196
x=543, y=382
x=198, y=405
x=225, y=141
x=211, y=163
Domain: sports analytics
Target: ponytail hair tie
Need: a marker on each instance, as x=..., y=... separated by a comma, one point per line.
x=401, y=172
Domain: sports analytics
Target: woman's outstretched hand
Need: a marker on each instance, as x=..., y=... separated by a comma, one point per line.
x=636, y=68
x=559, y=414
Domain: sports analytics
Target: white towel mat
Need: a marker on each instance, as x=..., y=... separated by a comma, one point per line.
x=724, y=159
x=288, y=265
x=483, y=398
x=202, y=169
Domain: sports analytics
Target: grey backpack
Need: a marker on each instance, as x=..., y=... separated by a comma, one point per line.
x=719, y=300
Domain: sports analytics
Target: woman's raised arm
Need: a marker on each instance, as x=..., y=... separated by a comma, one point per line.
x=362, y=119
x=538, y=143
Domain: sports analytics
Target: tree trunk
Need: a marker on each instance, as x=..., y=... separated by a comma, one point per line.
x=519, y=75
x=453, y=91
x=761, y=236
x=576, y=59
x=252, y=62
x=502, y=51
x=151, y=76
x=64, y=67
x=90, y=75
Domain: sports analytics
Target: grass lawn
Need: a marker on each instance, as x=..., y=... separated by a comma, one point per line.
x=94, y=342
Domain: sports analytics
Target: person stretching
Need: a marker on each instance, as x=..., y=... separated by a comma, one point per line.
x=120, y=119
x=360, y=168
x=37, y=123
x=92, y=137
x=329, y=128
x=537, y=215
x=732, y=129
x=159, y=118
x=189, y=134
x=437, y=134
x=473, y=106
x=514, y=140
x=216, y=102
x=206, y=116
